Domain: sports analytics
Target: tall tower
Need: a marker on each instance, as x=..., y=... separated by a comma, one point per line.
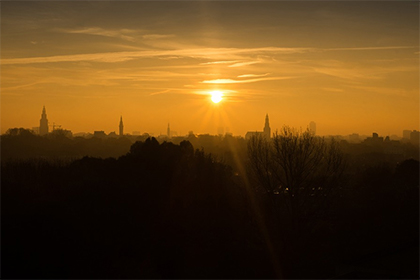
x=121, y=127
x=43, y=123
x=168, y=131
x=312, y=127
x=267, y=129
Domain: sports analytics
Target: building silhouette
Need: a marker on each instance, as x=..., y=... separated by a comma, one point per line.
x=168, y=131
x=374, y=140
x=312, y=127
x=406, y=134
x=265, y=133
x=43, y=123
x=121, y=127
x=99, y=134
x=267, y=129
x=415, y=137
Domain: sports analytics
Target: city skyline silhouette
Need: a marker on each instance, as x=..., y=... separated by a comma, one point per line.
x=43, y=129
x=351, y=72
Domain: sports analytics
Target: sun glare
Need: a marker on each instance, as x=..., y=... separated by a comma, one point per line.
x=216, y=96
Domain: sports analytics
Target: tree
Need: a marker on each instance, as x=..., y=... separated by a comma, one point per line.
x=299, y=173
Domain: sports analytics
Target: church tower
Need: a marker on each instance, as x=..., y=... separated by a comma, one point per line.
x=267, y=129
x=43, y=123
x=168, y=131
x=121, y=127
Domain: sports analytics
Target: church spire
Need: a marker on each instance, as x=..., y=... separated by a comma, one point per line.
x=267, y=129
x=43, y=123
x=121, y=127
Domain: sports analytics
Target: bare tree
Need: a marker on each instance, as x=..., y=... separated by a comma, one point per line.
x=299, y=173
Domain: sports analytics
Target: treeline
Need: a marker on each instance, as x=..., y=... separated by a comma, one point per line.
x=331, y=219
x=20, y=143
x=295, y=206
x=160, y=211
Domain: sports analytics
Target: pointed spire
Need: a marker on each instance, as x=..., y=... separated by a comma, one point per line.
x=43, y=123
x=121, y=127
x=267, y=129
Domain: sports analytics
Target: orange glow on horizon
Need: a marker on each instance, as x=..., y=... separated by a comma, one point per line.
x=88, y=71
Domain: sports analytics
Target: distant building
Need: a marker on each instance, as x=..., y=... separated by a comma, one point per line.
x=43, y=123
x=265, y=133
x=66, y=132
x=414, y=137
x=121, y=127
x=220, y=130
x=354, y=138
x=35, y=130
x=80, y=134
x=99, y=134
x=267, y=129
x=312, y=127
x=168, y=131
x=374, y=140
x=406, y=134
x=112, y=135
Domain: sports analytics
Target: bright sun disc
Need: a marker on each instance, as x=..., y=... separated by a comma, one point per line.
x=216, y=96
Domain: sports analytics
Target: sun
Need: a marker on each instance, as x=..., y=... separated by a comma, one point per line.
x=216, y=96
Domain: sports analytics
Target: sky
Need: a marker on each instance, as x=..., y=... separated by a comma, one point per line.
x=349, y=66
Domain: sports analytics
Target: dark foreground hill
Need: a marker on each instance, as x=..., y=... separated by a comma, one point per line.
x=167, y=211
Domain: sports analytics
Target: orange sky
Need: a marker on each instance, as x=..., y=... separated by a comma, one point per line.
x=352, y=67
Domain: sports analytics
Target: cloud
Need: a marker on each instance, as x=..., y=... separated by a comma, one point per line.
x=253, y=75
x=121, y=33
x=157, y=36
x=129, y=55
x=219, y=62
x=234, y=63
x=206, y=53
x=371, y=48
x=360, y=72
x=230, y=81
x=244, y=63
x=386, y=91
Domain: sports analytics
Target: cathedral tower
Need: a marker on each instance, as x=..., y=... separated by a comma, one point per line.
x=267, y=129
x=43, y=123
x=121, y=127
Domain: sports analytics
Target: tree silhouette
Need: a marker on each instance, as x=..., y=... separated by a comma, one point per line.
x=298, y=177
x=298, y=169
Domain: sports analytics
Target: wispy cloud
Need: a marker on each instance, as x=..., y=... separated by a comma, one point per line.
x=207, y=53
x=385, y=90
x=158, y=36
x=231, y=81
x=120, y=33
x=253, y=75
x=219, y=62
x=239, y=64
x=371, y=48
x=233, y=63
